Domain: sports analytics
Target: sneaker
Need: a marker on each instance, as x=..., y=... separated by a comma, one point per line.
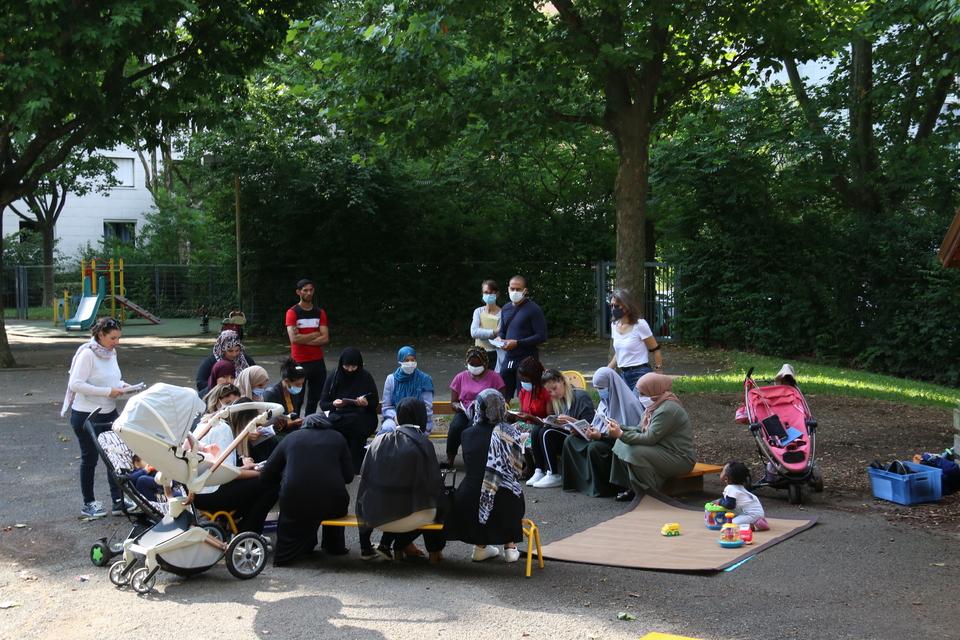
x=537, y=476
x=549, y=481
x=761, y=525
x=118, y=506
x=511, y=554
x=369, y=554
x=485, y=553
x=383, y=552
x=93, y=510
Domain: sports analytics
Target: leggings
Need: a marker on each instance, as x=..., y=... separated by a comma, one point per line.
x=459, y=422
x=547, y=444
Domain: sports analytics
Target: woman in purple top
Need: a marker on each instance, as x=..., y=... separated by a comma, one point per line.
x=465, y=386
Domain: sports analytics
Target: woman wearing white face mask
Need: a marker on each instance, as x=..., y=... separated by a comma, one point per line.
x=485, y=321
x=289, y=393
x=407, y=381
x=464, y=388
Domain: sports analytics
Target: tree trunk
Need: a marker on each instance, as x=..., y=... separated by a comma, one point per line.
x=6, y=356
x=630, y=195
x=46, y=232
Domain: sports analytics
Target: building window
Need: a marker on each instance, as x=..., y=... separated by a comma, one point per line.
x=123, y=172
x=121, y=231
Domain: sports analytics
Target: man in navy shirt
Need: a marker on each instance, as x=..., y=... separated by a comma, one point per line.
x=522, y=328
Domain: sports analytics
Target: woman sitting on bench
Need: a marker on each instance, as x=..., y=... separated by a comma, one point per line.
x=350, y=396
x=406, y=382
x=400, y=484
x=568, y=405
x=488, y=505
x=463, y=390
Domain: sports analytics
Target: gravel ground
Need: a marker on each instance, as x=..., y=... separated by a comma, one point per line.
x=865, y=571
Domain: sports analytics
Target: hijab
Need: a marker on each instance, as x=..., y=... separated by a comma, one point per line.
x=409, y=385
x=505, y=454
x=346, y=384
x=255, y=376
x=227, y=340
x=220, y=368
x=412, y=411
x=621, y=404
x=658, y=388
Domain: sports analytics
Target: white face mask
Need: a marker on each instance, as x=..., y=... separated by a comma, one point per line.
x=516, y=296
x=408, y=367
x=474, y=371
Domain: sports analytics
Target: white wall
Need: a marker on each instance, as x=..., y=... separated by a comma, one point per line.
x=82, y=219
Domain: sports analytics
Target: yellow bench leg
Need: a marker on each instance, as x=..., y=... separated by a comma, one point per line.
x=226, y=515
x=532, y=534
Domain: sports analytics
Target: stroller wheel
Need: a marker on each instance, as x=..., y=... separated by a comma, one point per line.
x=216, y=531
x=816, y=479
x=246, y=555
x=795, y=493
x=117, y=575
x=100, y=553
x=143, y=580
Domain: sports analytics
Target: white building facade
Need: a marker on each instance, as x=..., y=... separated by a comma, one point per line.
x=118, y=212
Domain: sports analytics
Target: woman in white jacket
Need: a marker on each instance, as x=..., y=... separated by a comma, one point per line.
x=95, y=383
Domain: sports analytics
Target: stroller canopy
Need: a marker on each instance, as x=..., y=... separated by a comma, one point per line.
x=163, y=411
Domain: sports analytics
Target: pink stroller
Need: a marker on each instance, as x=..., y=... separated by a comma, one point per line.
x=786, y=434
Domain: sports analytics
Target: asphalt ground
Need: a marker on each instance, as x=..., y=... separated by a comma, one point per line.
x=853, y=575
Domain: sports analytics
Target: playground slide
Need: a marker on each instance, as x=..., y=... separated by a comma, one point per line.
x=88, y=307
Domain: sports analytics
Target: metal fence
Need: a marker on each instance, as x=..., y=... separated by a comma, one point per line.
x=659, y=303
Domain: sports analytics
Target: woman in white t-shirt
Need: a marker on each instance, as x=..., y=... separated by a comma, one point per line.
x=485, y=321
x=633, y=341
x=95, y=384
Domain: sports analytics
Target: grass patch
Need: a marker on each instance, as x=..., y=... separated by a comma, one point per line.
x=819, y=379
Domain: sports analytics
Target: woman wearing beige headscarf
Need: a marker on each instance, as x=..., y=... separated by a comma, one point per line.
x=661, y=447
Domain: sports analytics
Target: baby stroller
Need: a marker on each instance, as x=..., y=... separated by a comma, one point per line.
x=155, y=425
x=786, y=434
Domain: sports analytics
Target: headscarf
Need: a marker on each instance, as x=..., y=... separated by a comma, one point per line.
x=504, y=465
x=480, y=353
x=409, y=385
x=412, y=411
x=658, y=388
x=489, y=407
x=227, y=340
x=255, y=376
x=99, y=351
x=220, y=368
x=621, y=404
x=349, y=356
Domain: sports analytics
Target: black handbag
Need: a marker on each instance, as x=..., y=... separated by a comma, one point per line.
x=448, y=494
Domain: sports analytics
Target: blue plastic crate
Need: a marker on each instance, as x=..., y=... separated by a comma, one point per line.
x=921, y=486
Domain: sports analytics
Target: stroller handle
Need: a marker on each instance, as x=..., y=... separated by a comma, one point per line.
x=749, y=372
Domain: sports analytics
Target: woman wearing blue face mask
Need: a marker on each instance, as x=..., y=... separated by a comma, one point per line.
x=289, y=393
x=485, y=321
x=587, y=461
x=408, y=381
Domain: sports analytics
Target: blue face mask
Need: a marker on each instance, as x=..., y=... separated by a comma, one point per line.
x=604, y=395
x=294, y=390
x=489, y=298
x=527, y=386
x=258, y=392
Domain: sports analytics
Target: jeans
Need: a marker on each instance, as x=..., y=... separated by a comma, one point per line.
x=89, y=454
x=631, y=375
x=315, y=374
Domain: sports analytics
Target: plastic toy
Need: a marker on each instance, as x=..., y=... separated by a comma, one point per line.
x=714, y=516
x=670, y=529
x=746, y=533
x=730, y=536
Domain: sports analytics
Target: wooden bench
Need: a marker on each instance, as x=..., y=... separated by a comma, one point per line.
x=691, y=482
x=530, y=532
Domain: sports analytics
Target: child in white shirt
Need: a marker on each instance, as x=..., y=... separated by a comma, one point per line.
x=745, y=505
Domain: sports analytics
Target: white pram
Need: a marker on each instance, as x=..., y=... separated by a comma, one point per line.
x=156, y=424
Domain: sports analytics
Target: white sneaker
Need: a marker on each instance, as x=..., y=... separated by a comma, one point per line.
x=537, y=476
x=550, y=481
x=485, y=553
x=511, y=554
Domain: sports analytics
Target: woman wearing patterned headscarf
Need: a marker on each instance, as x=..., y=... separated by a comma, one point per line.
x=463, y=389
x=408, y=381
x=659, y=448
x=227, y=347
x=488, y=506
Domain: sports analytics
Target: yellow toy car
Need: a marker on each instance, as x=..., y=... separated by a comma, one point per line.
x=670, y=529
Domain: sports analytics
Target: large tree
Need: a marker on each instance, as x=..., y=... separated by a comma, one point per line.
x=489, y=73
x=78, y=74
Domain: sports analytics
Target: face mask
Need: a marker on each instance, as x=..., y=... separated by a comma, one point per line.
x=408, y=367
x=616, y=312
x=258, y=392
x=527, y=386
x=489, y=298
x=604, y=395
x=474, y=371
x=295, y=390
x=516, y=296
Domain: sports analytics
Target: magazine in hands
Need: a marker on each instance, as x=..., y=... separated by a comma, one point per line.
x=497, y=342
x=131, y=389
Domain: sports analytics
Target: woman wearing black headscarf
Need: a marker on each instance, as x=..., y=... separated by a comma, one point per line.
x=350, y=395
x=312, y=466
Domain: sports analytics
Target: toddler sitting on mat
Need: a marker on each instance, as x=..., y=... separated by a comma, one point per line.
x=736, y=498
